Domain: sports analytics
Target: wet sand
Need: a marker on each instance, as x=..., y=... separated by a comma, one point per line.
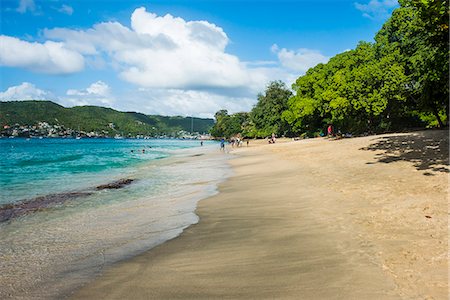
x=360, y=218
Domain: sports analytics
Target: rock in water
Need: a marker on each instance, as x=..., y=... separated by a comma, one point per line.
x=116, y=184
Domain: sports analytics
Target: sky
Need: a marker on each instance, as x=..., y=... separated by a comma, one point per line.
x=185, y=57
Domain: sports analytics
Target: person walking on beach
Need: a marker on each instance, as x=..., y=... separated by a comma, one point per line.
x=222, y=144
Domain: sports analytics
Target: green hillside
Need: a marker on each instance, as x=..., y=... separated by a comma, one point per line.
x=95, y=118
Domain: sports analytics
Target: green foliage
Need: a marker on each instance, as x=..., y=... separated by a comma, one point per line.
x=394, y=83
x=265, y=117
x=94, y=118
x=262, y=121
x=419, y=31
x=27, y=112
x=399, y=81
x=219, y=128
x=229, y=125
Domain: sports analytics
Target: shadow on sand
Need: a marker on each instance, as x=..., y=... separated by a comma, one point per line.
x=426, y=150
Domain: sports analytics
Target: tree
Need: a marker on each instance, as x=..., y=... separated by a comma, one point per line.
x=221, y=117
x=387, y=85
x=229, y=125
x=266, y=114
x=357, y=91
x=399, y=81
x=236, y=123
x=418, y=30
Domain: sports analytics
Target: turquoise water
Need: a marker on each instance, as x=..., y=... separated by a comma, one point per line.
x=50, y=252
x=34, y=167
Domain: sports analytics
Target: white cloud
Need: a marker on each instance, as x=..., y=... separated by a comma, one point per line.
x=26, y=5
x=145, y=100
x=377, y=9
x=163, y=52
x=49, y=57
x=98, y=88
x=98, y=93
x=300, y=60
x=66, y=9
x=25, y=91
x=181, y=67
x=184, y=102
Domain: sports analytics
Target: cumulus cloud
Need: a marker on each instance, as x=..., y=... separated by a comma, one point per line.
x=66, y=9
x=49, y=57
x=154, y=52
x=25, y=91
x=184, y=102
x=178, y=66
x=377, y=9
x=98, y=93
x=146, y=100
x=98, y=88
x=299, y=60
x=162, y=51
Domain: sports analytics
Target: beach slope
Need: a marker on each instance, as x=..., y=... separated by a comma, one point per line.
x=360, y=218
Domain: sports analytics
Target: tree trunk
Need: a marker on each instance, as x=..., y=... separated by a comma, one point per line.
x=447, y=113
x=438, y=118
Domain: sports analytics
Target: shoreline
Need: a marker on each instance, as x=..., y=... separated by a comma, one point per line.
x=312, y=219
x=50, y=252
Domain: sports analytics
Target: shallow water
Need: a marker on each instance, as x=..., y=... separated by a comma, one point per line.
x=32, y=167
x=50, y=252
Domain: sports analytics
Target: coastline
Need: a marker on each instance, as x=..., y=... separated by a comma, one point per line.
x=64, y=241
x=360, y=218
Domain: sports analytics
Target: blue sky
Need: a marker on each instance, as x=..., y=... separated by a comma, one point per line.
x=172, y=57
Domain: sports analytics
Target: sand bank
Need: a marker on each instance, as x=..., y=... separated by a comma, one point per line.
x=360, y=218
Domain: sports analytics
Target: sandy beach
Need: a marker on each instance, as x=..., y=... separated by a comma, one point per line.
x=359, y=218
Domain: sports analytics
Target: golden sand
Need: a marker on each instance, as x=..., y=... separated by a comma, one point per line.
x=359, y=218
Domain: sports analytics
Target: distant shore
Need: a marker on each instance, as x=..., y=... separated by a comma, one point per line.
x=359, y=218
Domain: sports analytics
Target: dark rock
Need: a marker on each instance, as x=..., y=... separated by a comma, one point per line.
x=9, y=211
x=116, y=184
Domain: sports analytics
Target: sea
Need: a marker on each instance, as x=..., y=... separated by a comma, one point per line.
x=69, y=208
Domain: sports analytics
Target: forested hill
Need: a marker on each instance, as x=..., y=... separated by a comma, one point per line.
x=96, y=119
